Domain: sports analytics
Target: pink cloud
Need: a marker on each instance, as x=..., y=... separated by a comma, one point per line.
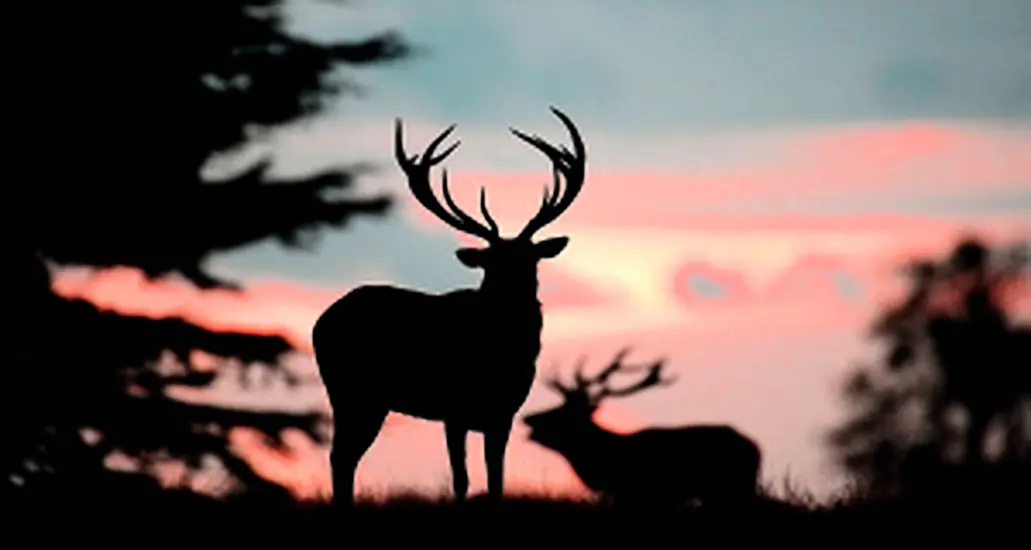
x=904, y=160
x=733, y=287
x=810, y=278
x=800, y=284
x=807, y=281
x=560, y=290
x=265, y=307
x=269, y=307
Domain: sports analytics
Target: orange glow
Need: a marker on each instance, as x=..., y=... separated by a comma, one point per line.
x=299, y=465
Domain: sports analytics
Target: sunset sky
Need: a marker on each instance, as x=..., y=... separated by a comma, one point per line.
x=756, y=169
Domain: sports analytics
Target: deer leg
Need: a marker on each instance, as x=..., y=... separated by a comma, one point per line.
x=456, y=436
x=342, y=473
x=495, y=442
x=354, y=433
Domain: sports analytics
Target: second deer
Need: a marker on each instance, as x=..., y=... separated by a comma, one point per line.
x=660, y=466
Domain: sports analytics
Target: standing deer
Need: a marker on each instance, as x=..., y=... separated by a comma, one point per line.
x=466, y=358
x=664, y=466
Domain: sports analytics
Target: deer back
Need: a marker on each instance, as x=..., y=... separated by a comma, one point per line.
x=424, y=351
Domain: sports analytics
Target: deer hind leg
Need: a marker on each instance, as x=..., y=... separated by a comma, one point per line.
x=734, y=495
x=354, y=433
x=456, y=438
x=495, y=442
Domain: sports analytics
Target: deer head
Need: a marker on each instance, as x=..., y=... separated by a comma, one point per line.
x=508, y=263
x=574, y=416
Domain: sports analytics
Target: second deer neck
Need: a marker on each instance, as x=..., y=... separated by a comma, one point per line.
x=588, y=440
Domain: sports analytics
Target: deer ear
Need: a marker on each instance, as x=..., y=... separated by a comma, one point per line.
x=471, y=257
x=549, y=248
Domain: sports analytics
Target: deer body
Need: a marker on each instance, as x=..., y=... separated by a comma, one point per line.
x=423, y=377
x=712, y=463
x=664, y=465
x=466, y=358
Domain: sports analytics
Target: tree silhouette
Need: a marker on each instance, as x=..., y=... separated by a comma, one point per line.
x=134, y=195
x=954, y=386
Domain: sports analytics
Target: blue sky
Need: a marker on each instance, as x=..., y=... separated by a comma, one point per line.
x=643, y=70
x=663, y=65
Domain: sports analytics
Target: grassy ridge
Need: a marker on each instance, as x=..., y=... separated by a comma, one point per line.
x=128, y=508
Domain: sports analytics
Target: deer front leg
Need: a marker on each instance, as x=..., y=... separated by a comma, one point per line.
x=495, y=442
x=456, y=436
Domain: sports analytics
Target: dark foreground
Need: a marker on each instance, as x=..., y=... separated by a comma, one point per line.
x=121, y=513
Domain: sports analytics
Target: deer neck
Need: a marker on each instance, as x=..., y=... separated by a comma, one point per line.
x=589, y=442
x=519, y=311
x=511, y=301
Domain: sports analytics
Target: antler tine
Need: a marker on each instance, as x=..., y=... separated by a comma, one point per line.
x=466, y=218
x=569, y=164
x=409, y=163
x=614, y=366
x=486, y=215
x=417, y=171
x=655, y=378
x=578, y=374
x=552, y=380
x=652, y=379
x=580, y=384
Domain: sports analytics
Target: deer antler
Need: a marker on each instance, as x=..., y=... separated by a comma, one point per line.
x=556, y=384
x=583, y=384
x=652, y=379
x=614, y=366
x=569, y=164
x=418, y=172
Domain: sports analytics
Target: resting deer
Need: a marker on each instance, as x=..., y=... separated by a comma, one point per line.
x=666, y=466
x=466, y=358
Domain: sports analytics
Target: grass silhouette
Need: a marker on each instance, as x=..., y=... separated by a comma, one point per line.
x=135, y=503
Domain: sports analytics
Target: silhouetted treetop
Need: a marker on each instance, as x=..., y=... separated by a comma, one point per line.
x=955, y=372
x=253, y=73
x=175, y=230
x=156, y=93
x=158, y=116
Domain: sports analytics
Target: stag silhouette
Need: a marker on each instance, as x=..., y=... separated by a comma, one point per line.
x=658, y=466
x=466, y=358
